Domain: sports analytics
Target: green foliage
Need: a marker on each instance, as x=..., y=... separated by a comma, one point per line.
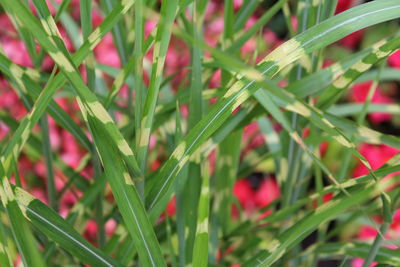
x=121, y=153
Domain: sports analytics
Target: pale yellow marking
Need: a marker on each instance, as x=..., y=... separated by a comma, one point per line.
x=252, y=74
x=61, y=60
x=183, y=162
x=82, y=107
x=127, y=5
x=94, y=38
x=179, y=150
x=234, y=89
x=299, y=108
x=342, y=82
x=316, y=2
x=380, y=54
x=33, y=74
x=283, y=164
x=273, y=245
x=7, y=194
x=205, y=191
x=160, y=66
x=306, y=63
x=196, y=156
x=124, y=148
x=23, y=197
x=301, y=5
x=46, y=26
x=286, y=53
x=337, y=70
x=144, y=137
x=17, y=71
x=202, y=227
x=25, y=133
x=343, y=141
x=361, y=66
x=372, y=136
x=16, y=151
x=128, y=179
x=240, y=99
x=99, y=112
x=324, y=120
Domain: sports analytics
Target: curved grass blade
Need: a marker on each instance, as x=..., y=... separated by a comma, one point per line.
x=27, y=124
x=55, y=227
x=102, y=128
x=312, y=39
x=25, y=241
x=23, y=78
x=128, y=199
x=359, y=250
x=168, y=13
x=200, y=249
x=380, y=51
x=306, y=225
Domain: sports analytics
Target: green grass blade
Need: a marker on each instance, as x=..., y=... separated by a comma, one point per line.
x=27, y=245
x=200, y=249
x=300, y=230
x=168, y=13
x=314, y=38
x=55, y=227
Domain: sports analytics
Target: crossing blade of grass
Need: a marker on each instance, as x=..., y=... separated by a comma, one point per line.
x=349, y=109
x=75, y=217
x=163, y=35
x=306, y=225
x=200, y=249
x=192, y=194
x=50, y=223
x=24, y=239
x=138, y=55
x=225, y=176
x=5, y=252
x=380, y=51
x=387, y=74
x=102, y=126
x=312, y=39
x=24, y=78
x=128, y=199
x=282, y=214
x=68, y=67
x=359, y=250
x=270, y=106
x=22, y=133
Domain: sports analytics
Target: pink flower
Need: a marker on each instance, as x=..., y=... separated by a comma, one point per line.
x=252, y=137
x=394, y=60
x=352, y=40
x=344, y=5
x=376, y=155
x=255, y=196
x=359, y=94
x=237, y=4
x=360, y=262
x=148, y=27
x=106, y=53
x=91, y=231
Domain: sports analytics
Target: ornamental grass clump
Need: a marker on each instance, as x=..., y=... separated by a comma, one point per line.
x=199, y=133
